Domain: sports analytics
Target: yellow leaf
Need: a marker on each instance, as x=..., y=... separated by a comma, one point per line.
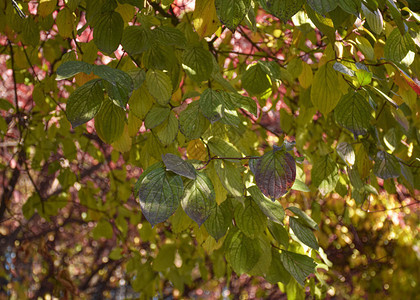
x=65, y=23
x=306, y=77
x=219, y=190
x=196, y=150
x=82, y=78
x=46, y=7
x=123, y=144
x=325, y=92
x=134, y=124
x=205, y=18
x=126, y=11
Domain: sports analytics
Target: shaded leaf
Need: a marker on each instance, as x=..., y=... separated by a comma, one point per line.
x=283, y=9
x=156, y=116
x=232, y=12
x=256, y=80
x=160, y=193
x=110, y=122
x=386, y=166
x=277, y=272
x=241, y=252
x=179, y=166
x=135, y=39
x=273, y=210
x=249, y=218
x=324, y=174
x=108, y=31
x=192, y=122
x=198, y=200
x=275, y=173
x=159, y=85
x=304, y=218
x=303, y=233
x=219, y=220
x=212, y=105
x=353, y=112
x=299, y=266
x=279, y=233
x=84, y=103
x=197, y=63
x=70, y=68
x=323, y=6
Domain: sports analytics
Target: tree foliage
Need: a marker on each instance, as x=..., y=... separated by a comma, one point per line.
x=178, y=135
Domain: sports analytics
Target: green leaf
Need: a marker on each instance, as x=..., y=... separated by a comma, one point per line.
x=323, y=6
x=350, y=6
x=230, y=177
x=165, y=258
x=84, y=103
x=199, y=198
x=5, y=104
x=211, y=105
x=325, y=93
x=400, y=48
x=246, y=103
x=197, y=63
x=241, y=252
x=262, y=266
x=156, y=116
x=363, y=77
x=273, y=210
x=249, y=218
x=110, y=121
x=232, y=12
x=284, y=9
x=322, y=22
x=135, y=39
x=386, y=166
x=108, y=31
x=30, y=33
x=324, y=174
x=160, y=193
x=169, y=36
x=303, y=233
x=353, y=112
x=304, y=218
x=141, y=102
x=103, y=229
x=120, y=83
x=364, y=45
x=168, y=130
x=159, y=85
x=299, y=185
x=374, y=19
x=70, y=68
x=299, y=266
x=219, y=220
x=223, y=148
x=275, y=173
x=255, y=80
x=277, y=272
x=192, y=122
x=279, y=233
x=179, y=166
